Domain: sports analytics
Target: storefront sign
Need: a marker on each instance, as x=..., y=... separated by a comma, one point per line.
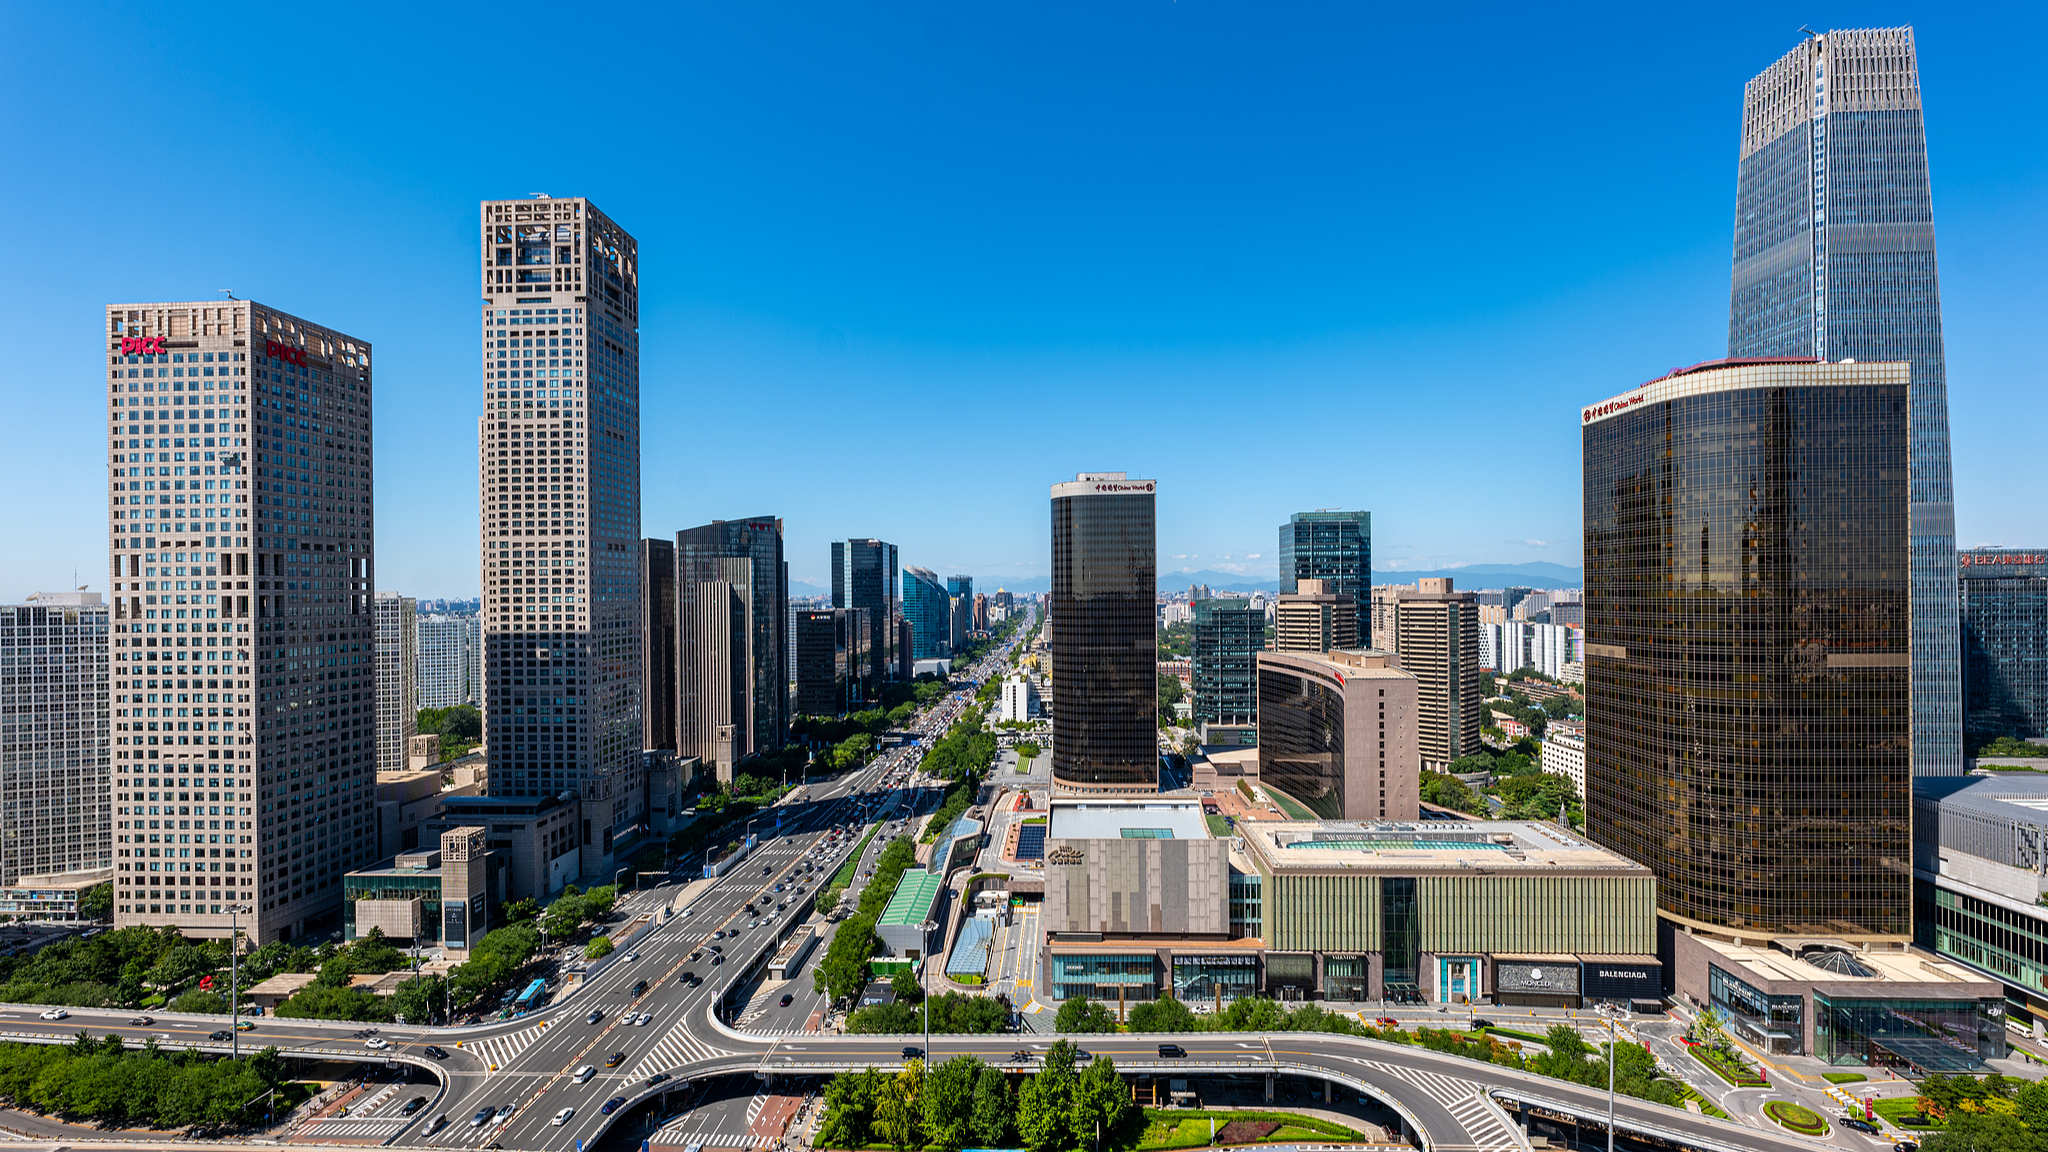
x=1219, y=961
x=1988, y=559
x=1522, y=976
x=1066, y=854
x=285, y=352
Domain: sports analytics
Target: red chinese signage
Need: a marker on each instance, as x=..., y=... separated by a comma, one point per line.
x=285, y=352
x=143, y=345
x=1107, y=487
x=1611, y=407
x=1985, y=559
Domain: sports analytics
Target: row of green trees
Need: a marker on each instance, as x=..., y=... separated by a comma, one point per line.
x=964, y=1102
x=1249, y=1014
x=965, y=750
x=951, y=1013
x=844, y=970
x=102, y=1080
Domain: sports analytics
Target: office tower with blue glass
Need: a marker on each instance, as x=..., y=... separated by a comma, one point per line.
x=929, y=611
x=864, y=574
x=1336, y=548
x=1227, y=636
x=2005, y=644
x=1834, y=259
x=558, y=475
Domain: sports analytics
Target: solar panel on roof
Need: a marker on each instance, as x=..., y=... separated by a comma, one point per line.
x=1031, y=842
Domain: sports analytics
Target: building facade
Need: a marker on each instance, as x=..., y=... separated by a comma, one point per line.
x=929, y=611
x=1227, y=638
x=1980, y=870
x=864, y=575
x=1834, y=259
x=1439, y=630
x=240, y=442
x=1338, y=733
x=559, y=474
x=1772, y=663
x=449, y=656
x=55, y=750
x=732, y=597
x=398, y=702
x=1386, y=628
x=660, y=693
x=832, y=659
x=1335, y=548
x=2004, y=598
x=1313, y=619
x=1105, y=645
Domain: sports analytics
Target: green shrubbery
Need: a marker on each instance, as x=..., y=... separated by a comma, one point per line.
x=101, y=1080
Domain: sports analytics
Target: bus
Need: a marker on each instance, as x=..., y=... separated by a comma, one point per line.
x=530, y=999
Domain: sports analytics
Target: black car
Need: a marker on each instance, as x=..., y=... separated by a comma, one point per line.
x=1481, y=1022
x=717, y=960
x=786, y=999
x=657, y=1078
x=1859, y=1124
x=1905, y=1146
x=912, y=1052
x=413, y=1105
x=612, y=1105
x=640, y=989
x=436, y=1051
x=223, y=1034
x=1171, y=1051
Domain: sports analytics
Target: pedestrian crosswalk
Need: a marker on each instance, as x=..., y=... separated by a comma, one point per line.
x=498, y=1051
x=675, y=1049
x=333, y=1129
x=1487, y=1128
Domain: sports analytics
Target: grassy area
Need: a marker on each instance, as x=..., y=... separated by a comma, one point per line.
x=1707, y=1107
x=1844, y=1077
x=1799, y=1119
x=1737, y=1075
x=1294, y=811
x=1218, y=826
x=1904, y=1112
x=1513, y=1034
x=844, y=876
x=1179, y=1128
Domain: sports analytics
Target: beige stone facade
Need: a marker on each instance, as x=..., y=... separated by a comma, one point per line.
x=1337, y=733
x=1439, y=631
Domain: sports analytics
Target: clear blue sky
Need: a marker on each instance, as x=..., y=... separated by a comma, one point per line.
x=904, y=267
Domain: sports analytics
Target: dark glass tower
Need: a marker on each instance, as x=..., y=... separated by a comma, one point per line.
x=732, y=616
x=1834, y=258
x=1747, y=638
x=864, y=576
x=1105, y=638
x=1336, y=548
x=1228, y=635
x=2005, y=643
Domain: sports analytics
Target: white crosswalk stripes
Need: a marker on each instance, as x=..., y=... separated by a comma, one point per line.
x=675, y=1049
x=337, y=1128
x=499, y=1050
x=1486, y=1127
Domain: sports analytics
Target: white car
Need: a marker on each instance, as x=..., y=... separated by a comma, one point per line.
x=377, y=1042
x=55, y=1014
x=632, y=956
x=562, y=1117
x=583, y=1075
x=646, y=1018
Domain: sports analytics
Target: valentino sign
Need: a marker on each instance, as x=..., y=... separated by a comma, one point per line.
x=285, y=352
x=142, y=345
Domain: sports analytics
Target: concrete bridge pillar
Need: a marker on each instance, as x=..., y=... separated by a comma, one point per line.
x=1269, y=1087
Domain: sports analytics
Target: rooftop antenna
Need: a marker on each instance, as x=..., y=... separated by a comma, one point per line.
x=540, y=196
x=1809, y=33
x=230, y=292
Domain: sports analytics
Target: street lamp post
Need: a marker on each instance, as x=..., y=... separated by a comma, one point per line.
x=235, y=979
x=1610, y=1083
x=925, y=986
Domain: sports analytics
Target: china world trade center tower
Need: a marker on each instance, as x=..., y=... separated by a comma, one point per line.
x=1834, y=259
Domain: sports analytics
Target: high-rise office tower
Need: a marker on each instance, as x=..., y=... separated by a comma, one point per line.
x=1439, y=630
x=241, y=528
x=1105, y=674
x=831, y=658
x=1225, y=642
x=1312, y=619
x=398, y=699
x=1834, y=259
x=54, y=748
x=960, y=594
x=864, y=576
x=929, y=612
x=443, y=663
x=1336, y=548
x=1337, y=732
x=732, y=597
x=2005, y=643
x=658, y=667
x=1747, y=623
x=558, y=461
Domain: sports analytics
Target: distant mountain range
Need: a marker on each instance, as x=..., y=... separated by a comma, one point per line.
x=1535, y=574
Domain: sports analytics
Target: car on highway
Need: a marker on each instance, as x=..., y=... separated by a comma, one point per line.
x=717, y=960
x=505, y=1112
x=697, y=954
x=1905, y=1146
x=594, y=1016
x=562, y=1117
x=435, y=1051
x=438, y=1123
x=617, y=1059
x=1859, y=1124
x=482, y=1117
x=612, y=1105
x=912, y=1052
x=583, y=1074
x=244, y=1026
x=657, y=1078
x=646, y=1018
x=1481, y=1022
x=786, y=999
x=377, y=1043
x=413, y=1105
x=640, y=989
x=718, y=935
x=632, y=956
x=1386, y=1022
x=55, y=1014
x=142, y=1022
x=220, y=1034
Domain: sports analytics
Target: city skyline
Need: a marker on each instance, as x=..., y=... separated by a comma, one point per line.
x=1230, y=326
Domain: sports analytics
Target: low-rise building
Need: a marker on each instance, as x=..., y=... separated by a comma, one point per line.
x=1563, y=753
x=919, y=900
x=51, y=897
x=431, y=896
x=408, y=801
x=1980, y=873
x=537, y=840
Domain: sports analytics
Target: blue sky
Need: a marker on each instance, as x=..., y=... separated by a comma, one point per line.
x=903, y=267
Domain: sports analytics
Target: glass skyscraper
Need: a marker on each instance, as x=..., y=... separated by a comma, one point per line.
x=930, y=614
x=2005, y=643
x=1228, y=636
x=1834, y=258
x=864, y=576
x=1105, y=633
x=1336, y=548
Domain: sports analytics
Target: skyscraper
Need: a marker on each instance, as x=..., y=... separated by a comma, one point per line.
x=54, y=749
x=559, y=473
x=240, y=445
x=831, y=658
x=2005, y=643
x=1336, y=548
x=446, y=652
x=732, y=609
x=864, y=576
x=658, y=639
x=1747, y=623
x=930, y=613
x=1105, y=639
x=398, y=701
x=1834, y=259
x=1226, y=638
x=1439, y=631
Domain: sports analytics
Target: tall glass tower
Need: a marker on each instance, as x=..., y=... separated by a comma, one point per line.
x=1105, y=636
x=1336, y=548
x=1834, y=258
